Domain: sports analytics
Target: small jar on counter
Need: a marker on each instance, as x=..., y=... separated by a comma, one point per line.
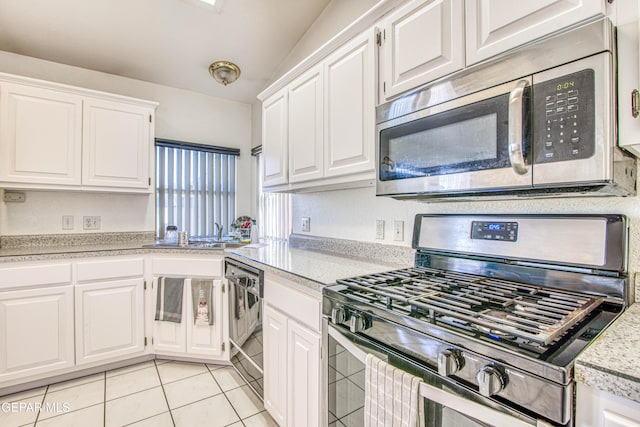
x=171, y=235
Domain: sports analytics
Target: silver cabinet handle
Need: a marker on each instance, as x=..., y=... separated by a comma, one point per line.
x=516, y=107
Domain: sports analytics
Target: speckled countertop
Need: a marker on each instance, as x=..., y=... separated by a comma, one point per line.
x=612, y=362
x=310, y=262
x=309, y=268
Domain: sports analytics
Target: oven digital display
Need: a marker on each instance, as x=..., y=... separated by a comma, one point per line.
x=488, y=230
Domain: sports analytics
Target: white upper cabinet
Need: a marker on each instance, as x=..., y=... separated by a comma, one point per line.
x=305, y=127
x=319, y=130
x=54, y=136
x=275, y=140
x=40, y=135
x=495, y=26
x=421, y=41
x=116, y=144
x=349, y=126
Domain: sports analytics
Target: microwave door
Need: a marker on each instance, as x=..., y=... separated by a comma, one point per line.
x=474, y=143
x=573, y=134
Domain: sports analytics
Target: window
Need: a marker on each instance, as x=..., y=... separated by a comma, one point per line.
x=195, y=187
x=274, y=209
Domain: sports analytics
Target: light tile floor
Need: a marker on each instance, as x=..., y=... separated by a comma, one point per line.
x=156, y=393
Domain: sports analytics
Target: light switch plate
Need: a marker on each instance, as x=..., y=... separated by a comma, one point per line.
x=380, y=229
x=305, y=224
x=67, y=222
x=398, y=231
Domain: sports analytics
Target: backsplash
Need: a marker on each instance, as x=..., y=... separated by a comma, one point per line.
x=47, y=240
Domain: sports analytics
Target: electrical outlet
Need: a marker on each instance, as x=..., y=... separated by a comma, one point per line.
x=91, y=222
x=380, y=229
x=398, y=231
x=305, y=225
x=67, y=222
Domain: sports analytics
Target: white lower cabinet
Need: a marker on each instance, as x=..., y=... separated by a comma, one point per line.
x=597, y=408
x=36, y=331
x=109, y=309
x=109, y=320
x=36, y=320
x=292, y=347
x=187, y=339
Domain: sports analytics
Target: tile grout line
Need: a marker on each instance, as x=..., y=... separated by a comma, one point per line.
x=164, y=393
x=44, y=396
x=225, y=396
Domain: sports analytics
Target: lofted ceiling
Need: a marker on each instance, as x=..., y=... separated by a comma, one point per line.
x=168, y=42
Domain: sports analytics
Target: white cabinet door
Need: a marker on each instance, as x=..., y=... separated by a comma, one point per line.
x=303, y=385
x=275, y=140
x=206, y=340
x=40, y=135
x=275, y=364
x=36, y=331
x=169, y=337
x=109, y=320
x=305, y=127
x=349, y=125
x=495, y=26
x=422, y=41
x=117, y=145
x=597, y=408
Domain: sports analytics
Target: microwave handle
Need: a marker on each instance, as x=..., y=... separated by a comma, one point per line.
x=516, y=108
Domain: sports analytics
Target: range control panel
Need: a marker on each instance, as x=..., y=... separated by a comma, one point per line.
x=564, y=118
x=493, y=230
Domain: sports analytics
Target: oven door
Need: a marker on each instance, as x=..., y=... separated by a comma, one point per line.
x=476, y=142
x=447, y=404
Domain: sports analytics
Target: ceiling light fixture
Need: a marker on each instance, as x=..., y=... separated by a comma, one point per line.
x=211, y=2
x=224, y=72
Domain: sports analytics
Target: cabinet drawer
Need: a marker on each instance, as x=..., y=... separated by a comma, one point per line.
x=110, y=269
x=187, y=266
x=33, y=275
x=304, y=308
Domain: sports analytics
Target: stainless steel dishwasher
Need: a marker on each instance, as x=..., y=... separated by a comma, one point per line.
x=246, y=291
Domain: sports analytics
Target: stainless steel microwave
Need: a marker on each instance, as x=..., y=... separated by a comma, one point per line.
x=540, y=121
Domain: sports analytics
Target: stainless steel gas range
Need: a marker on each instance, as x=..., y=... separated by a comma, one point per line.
x=492, y=317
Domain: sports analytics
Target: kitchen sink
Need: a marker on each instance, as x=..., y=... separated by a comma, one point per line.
x=196, y=244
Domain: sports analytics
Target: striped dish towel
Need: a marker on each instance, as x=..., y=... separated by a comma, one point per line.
x=392, y=396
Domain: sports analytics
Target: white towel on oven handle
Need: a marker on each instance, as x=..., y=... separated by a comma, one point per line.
x=392, y=396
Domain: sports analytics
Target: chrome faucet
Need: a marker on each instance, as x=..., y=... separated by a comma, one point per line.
x=218, y=232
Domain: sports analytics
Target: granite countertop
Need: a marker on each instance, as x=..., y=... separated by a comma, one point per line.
x=310, y=262
x=312, y=269
x=611, y=363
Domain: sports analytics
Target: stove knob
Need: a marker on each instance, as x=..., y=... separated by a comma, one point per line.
x=338, y=315
x=358, y=323
x=450, y=361
x=490, y=380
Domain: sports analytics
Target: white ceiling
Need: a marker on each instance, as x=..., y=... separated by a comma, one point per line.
x=169, y=42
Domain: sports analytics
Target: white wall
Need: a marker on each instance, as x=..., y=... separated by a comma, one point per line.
x=352, y=214
x=181, y=115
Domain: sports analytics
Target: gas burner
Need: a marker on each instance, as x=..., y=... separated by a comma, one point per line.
x=501, y=309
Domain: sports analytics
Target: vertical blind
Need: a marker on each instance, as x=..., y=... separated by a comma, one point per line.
x=274, y=209
x=195, y=187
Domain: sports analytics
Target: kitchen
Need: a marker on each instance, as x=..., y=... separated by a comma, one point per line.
x=184, y=115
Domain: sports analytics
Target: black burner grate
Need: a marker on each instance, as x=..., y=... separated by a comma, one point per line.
x=500, y=307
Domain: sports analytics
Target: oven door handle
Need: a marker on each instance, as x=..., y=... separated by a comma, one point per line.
x=480, y=413
x=516, y=128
